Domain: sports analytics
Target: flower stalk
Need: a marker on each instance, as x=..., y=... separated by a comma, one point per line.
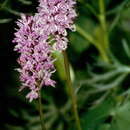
x=40, y=111
x=71, y=91
x=102, y=20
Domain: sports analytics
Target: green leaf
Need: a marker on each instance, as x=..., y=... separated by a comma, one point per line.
x=122, y=118
x=83, y=37
x=4, y=21
x=12, y=11
x=104, y=127
x=94, y=117
x=26, y=2
x=78, y=42
x=126, y=47
x=59, y=63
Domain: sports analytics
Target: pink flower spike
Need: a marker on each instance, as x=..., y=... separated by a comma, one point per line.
x=33, y=42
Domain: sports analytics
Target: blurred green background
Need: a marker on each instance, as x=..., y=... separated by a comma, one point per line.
x=99, y=54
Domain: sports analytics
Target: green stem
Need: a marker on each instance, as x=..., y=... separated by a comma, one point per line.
x=102, y=14
x=71, y=91
x=102, y=20
x=40, y=111
x=85, y=34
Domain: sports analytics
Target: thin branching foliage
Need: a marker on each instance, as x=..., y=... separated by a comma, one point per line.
x=79, y=47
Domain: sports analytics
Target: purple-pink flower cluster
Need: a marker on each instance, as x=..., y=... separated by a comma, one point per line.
x=37, y=37
x=35, y=57
x=55, y=17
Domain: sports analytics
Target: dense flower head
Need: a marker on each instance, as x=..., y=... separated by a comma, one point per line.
x=37, y=37
x=35, y=57
x=57, y=16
